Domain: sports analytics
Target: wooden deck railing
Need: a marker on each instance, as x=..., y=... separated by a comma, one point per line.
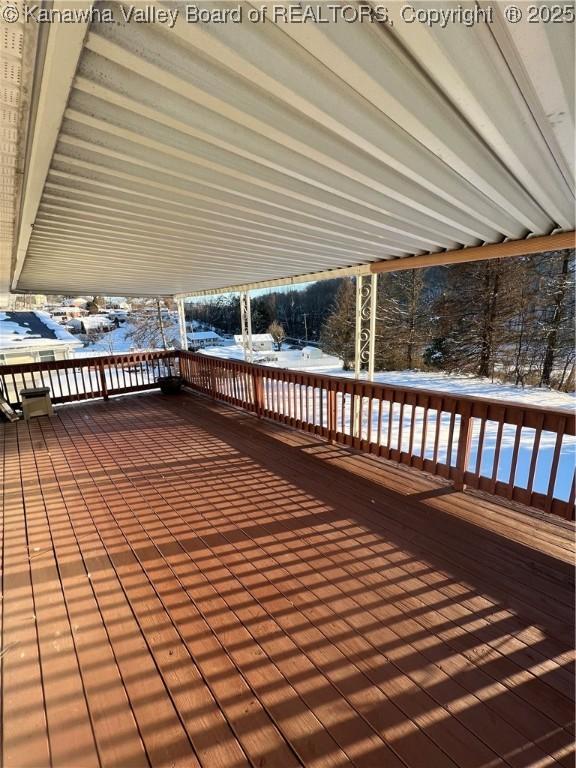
x=88, y=377
x=524, y=453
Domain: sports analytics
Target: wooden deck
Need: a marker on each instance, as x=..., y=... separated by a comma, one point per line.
x=185, y=585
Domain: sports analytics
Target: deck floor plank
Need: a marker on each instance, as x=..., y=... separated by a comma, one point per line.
x=24, y=727
x=118, y=738
x=70, y=729
x=121, y=532
x=228, y=592
x=520, y=714
x=387, y=519
x=159, y=723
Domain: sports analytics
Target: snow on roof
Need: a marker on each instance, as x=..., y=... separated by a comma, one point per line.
x=201, y=335
x=255, y=337
x=19, y=330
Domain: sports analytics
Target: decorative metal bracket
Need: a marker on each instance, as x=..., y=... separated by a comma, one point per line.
x=365, y=329
x=246, y=325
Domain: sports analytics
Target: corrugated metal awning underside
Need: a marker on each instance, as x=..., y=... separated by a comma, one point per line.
x=213, y=155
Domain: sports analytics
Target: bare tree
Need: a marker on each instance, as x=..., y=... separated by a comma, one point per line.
x=153, y=330
x=96, y=305
x=276, y=330
x=559, y=289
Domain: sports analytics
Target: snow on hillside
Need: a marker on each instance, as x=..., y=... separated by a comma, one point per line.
x=438, y=382
x=471, y=386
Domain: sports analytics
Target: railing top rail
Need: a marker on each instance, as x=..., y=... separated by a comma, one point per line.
x=380, y=387
x=77, y=362
x=328, y=380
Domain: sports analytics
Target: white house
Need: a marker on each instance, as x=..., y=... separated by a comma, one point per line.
x=202, y=339
x=311, y=353
x=65, y=313
x=261, y=342
x=92, y=324
x=32, y=337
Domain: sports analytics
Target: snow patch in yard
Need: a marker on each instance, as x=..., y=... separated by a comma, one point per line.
x=116, y=342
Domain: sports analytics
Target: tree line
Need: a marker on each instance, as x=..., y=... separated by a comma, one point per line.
x=301, y=312
x=507, y=319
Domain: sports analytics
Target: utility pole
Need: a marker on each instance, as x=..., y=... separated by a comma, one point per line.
x=305, y=315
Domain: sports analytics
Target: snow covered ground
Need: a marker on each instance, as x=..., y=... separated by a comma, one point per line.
x=116, y=342
x=292, y=359
x=436, y=382
x=390, y=427
x=471, y=386
x=391, y=422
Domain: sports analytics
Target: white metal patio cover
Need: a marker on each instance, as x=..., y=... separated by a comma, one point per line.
x=143, y=160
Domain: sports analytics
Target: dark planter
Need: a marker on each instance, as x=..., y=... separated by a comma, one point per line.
x=169, y=385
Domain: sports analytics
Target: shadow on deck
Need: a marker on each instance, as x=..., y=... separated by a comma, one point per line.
x=186, y=585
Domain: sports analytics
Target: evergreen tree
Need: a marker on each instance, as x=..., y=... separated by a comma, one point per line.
x=337, y=335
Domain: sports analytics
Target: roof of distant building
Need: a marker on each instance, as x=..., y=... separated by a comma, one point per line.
x=19, y=330
x=256, y=337
x=202, y=335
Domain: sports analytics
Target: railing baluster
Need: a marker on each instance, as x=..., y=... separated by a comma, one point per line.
x=464, y=443
x=424, y=430
x=313, y=404
x=390, y=422
x=437, y=433
x=451, y=429
x=497, y=447
x=515, y=453
x=555, y=461
x=480, y=446
x=534, y=458
x=370, y=406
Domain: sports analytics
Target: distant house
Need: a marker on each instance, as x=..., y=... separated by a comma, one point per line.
x=311, y=353
x=63, y=314
x=202, y=339
x=120, y=315
x=93, y=324
x=261, y=342
x=32, y=337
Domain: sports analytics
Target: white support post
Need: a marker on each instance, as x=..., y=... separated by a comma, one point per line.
x=372, y=327
x=365, y=327
x=358, y=327
x=246, y=325
x=182, y=324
